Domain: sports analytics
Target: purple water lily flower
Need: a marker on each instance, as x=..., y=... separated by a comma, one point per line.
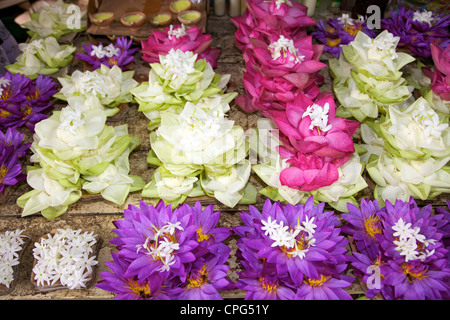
x=41, y=90
x=13, y=139
x=325, y=288
x=372, y=272
x=402, y=255
x=265, y=288
x=340, y=31
x=207, y=276
x=418, y=30
x=11, y=150
x=130, y=288
x=206, y=221
x=183, y=247
x=13, y=88
x=363, y=224
x=24, y=101
x=295, y=242
x=156, y=240
x=415, y=280
x=119, y=53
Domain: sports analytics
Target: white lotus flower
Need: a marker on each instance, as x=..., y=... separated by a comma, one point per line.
x=111, y=86
x=47, y=193
x=417, y=132
x=400, y=178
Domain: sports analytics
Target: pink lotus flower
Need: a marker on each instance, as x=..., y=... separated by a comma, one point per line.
x=307, y=172
x=277, y=69
x=440, y=78
x=280, y=14
x=282, y=55
x=265, y=93
x=312, y=128
x=177, y=37
x=248, y=27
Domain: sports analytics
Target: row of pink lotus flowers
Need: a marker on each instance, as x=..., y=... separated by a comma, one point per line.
x=282, y=82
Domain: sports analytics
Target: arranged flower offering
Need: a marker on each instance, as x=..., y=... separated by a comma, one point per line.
x=11, y=245
x=418, y=30
x=340, y=31
x=367, y=76
x=175, y=37
x=407, y=153
x=280, y=58
x=12, y=150
x=23, y=101
x=55, y=19
x=75, y=150
x=277, y=70
x=41, y=56
x=65, y=258
x=292, y=175
x=120, y=53
x=178, y=78
x=166, y=253
x=400, y=251
x=199, y=152
x=111, y=86
x=292, y=252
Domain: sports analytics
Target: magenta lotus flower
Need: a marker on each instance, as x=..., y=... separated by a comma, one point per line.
x=307, y=172
x=440, y=77
x=177, y=37
x=249, y=27
x=313, y=128
x=281, y=55
x=272, y=93
x=281, y=14
x=277, y=69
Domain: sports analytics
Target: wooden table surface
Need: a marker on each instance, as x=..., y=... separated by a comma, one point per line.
x=96, y=214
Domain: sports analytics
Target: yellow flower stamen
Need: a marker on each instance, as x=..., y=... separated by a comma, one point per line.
x=3, y=172
x=202, y=236
x=142, y=290
x=316, y=282
x=198, y=278
x=371, y=225
x=268, y=285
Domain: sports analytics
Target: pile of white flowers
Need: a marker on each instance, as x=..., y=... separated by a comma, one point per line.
x=65, y=258
x=11, y=243
x=411, y=243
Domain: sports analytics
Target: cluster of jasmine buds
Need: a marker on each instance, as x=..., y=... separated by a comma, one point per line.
x=65, y=258
x=11, y=244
